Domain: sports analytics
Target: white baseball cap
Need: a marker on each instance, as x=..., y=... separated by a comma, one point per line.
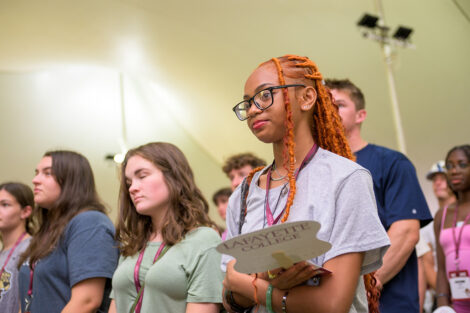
x=438, y=167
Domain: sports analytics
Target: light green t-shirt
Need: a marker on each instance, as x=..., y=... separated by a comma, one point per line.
x=188, y=272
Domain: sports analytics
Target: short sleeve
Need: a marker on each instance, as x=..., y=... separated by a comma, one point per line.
x=111, y=294
x=427, y=234
x=90, y=247
x=205, y=280
x=357, y=227
x=403, y=197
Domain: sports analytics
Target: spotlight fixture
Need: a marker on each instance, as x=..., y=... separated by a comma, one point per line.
x=402, y=33
x=372, y=28
x=369, y=21
x=118, y=158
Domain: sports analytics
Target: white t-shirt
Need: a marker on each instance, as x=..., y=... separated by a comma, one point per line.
x=427, y=235
x=422, y=248
x=333, y=191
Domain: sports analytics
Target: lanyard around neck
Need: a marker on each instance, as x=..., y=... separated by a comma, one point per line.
x=138, y=286
x=31, y=275
x=11, y=252
x=269, y=214
x=458, y=240
x=29, y=298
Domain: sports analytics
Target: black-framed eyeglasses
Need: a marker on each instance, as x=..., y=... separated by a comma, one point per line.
x=262, y=99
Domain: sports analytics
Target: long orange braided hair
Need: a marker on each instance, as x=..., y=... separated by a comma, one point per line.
x=327, y=131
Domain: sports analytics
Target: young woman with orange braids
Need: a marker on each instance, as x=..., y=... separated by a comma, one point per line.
x=311, y=178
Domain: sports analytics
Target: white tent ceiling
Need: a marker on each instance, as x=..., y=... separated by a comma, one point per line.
x=197, y=55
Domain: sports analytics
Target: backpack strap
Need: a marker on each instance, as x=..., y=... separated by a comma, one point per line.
x=244, y=189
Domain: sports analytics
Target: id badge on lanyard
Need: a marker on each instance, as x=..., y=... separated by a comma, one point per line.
x=459, y=282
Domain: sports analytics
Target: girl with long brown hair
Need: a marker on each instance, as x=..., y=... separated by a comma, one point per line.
x=287, y=105
x=167, y=239
x=71, y=258
x=16, y=205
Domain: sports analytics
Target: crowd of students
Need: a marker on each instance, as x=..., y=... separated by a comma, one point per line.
x=61, y=253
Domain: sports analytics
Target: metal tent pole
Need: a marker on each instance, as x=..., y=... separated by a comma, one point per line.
x=387, y=54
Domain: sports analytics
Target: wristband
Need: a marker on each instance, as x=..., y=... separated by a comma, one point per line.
x=255, y=292
x=284, y=302
x=269, y=299
x=233, y=305
x=442, y=295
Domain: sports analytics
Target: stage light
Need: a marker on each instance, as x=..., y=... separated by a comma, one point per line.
x=402, y=33
x=369, y=21
x=374, y=28
x=117, y=158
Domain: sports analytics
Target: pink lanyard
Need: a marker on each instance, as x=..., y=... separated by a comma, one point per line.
x=458, y=240
x=269, y=214
x=11, y=252
x=136, y=274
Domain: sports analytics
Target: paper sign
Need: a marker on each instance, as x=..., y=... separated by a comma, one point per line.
x=276, y=246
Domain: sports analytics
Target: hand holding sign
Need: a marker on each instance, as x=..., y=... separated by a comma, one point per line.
x=277, y=246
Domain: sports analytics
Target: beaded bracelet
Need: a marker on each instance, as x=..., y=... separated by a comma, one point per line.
x=269, y=299
x=284, y=302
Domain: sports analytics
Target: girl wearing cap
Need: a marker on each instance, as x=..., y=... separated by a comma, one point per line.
x=287, y=106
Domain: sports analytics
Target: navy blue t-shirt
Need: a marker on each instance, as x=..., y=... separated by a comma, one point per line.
x=86, y=250
x=399, y=197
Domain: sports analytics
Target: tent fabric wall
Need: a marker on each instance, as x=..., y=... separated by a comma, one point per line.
x=201, y=52
x=79, y=110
